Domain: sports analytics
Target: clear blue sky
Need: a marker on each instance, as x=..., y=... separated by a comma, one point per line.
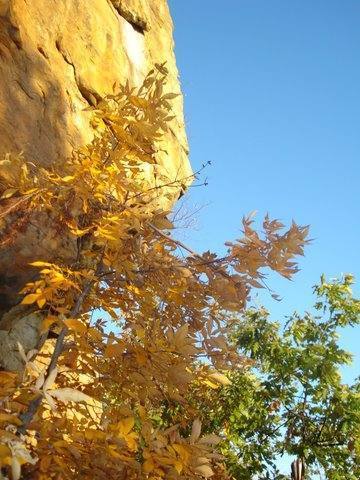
x=272, y=98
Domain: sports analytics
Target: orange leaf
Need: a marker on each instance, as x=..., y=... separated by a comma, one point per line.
x=114, y=350
x=75, y=325
x=31, y=298
x=41, y=302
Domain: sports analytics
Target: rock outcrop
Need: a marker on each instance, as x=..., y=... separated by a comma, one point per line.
x=57, y=58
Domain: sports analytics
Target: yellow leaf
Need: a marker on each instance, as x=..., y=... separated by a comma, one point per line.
x=220, y=378
x=5, y=453
x=204, y=470
x=75, y=325
x=211, y=384
x=47, y=322
x=80, y=233
x=210, y=439
x=41, y=302
x=126, y=425
x=142, y=412
x=94, y=435
x=9, y=193
x=60, y=444
x=195, y=431
x=139, y=102
x=31, y=298
x=170, y=96
x=31, y=190
x=162, y=223
x=140, y=332
x=95, y=334
x=50, y=379
x=77, y=231
x=148, y=465
x=181, y=334
x=68, y=178
x=114, y=350
x=70, y=395
x=178, y=466
x=131, y=441
x=182, y=451
x=6, y=417
x=40, y=264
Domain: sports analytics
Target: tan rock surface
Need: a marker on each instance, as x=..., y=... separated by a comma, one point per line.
x=57, y=57
x=19, y=329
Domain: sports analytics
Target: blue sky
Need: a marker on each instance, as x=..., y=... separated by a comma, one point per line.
x=272, y=99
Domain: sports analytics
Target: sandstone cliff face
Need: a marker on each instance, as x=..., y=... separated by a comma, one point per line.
x=58, y=57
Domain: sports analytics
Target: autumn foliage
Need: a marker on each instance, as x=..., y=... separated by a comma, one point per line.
x=141, y=320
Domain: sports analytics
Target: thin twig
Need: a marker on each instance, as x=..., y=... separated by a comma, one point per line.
x=192, y=252
x=176, y=182
x=15, y=205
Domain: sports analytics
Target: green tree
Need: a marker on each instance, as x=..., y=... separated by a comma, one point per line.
x=291, y=399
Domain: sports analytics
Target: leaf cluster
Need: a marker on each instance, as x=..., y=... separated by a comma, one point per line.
x=139, y=323
x=292, y=399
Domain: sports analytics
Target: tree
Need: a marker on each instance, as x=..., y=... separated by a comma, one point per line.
x=137, y=324
x=291, y=399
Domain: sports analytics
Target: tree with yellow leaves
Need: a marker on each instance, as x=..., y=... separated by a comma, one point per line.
x=136, y=324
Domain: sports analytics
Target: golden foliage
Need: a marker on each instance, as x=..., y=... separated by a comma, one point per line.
x=135, y=319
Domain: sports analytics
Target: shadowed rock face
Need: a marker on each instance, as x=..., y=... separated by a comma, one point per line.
x=19, y=326
x=25, y=239
x=56, y=59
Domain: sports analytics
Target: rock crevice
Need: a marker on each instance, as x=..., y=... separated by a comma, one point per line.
x=134, y=13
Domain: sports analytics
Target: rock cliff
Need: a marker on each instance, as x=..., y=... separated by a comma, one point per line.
x=57, y=58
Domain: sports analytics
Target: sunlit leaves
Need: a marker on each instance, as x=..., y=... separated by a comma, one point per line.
x=15, y=454
x=139, y=325
x=275, y=250
x=56, y=287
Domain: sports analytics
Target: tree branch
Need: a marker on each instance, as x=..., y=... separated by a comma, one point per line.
x=193, y=253
x=27, y=416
